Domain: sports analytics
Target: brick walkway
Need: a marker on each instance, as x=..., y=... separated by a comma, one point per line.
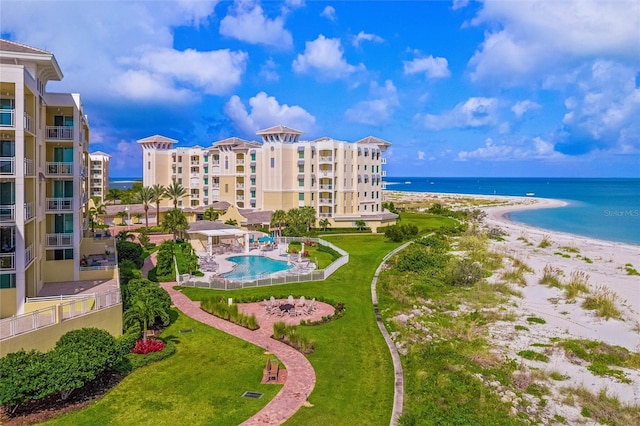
x=301, y=378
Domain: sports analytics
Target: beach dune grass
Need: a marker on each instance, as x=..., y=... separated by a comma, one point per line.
x=201, y=384
x=603, y=301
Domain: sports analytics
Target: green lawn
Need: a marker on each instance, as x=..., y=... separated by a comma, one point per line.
x=201, y=384
x=425, y=221
x=353, y=367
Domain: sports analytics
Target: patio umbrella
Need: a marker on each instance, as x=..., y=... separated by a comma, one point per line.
x=265, y=239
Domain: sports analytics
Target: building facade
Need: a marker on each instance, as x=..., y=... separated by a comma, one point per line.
x=99, y=175
x=341, y=180
x=44, y=139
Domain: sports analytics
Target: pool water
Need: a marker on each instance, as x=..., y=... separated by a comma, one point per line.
x=253, y=267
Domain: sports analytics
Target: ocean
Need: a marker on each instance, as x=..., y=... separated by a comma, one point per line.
x=607, y=209
x=123, y=183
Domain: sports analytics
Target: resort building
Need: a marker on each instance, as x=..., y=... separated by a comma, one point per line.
x=341, y=180
x=99, y=175
x=44, y=141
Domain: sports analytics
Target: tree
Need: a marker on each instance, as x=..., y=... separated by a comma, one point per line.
x=122, y=215
x=124, y=236
x=23, y=377
x=190, y=258
x=308, y=216
x=113, y=195
x=324, y=223
x=144, y=310
x=95, y=211
x=210, y=214
x=157, y=194
x=231, y=222
x=175, y=221
x=144, y=197
x=278, y=218
x=361, y=224
x=175, y=191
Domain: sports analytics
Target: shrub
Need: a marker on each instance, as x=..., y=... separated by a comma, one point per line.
x=128, y=250
x=128, y=340
x=536, y=320
x=533, y=355
x=551, y=276
x=221, y=309
x=165, y=270
x=603, y=301
x=151, y=345
x=128, y=270
x=139, y=360
x=464, y=272
x=394, y=233
x=578, y=283
x=24, y=376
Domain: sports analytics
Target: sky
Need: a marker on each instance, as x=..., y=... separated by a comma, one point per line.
x=509, y=88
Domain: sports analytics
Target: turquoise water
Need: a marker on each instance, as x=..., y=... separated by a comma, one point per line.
x=607, y=209
x=253, y=267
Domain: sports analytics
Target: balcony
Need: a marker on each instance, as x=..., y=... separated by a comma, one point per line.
x=28, y=255
x=240, y=198
x=325, y=201
x=215, y=163
x=29, y=170
x=325, y=214
x=59, y=169
x=325, y=159
x=326, y=173
x=383, y=173
x=7, y=165
x=29, y=211
x=28, y=123
x=60, y=133
x=239, y=185
x=239, y=161
x=383, y=161
x=215, y=186
x=326, y=187
x=60, y=204
x=59, y=240
x=7, y=212
x=195, y=162
x=7, y=261
x=7, y=117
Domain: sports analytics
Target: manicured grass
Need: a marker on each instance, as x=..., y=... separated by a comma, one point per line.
x=426, y=222
x=353, y=367
x=323, y=258
x=201, y=384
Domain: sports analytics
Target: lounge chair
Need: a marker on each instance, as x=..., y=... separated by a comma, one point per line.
x=290, y=300
x=301, y=302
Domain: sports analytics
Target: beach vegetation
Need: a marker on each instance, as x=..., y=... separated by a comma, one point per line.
x=586, y=259
x=551, y=276
x=601, y=407
x=630, y=269
x=521, y=327
x=557, y=376
x=565, y=255
x=603, y=301
x=533, y=355
x=578, y=283
x=570, y=249
x=545, y=242
x=536, y=320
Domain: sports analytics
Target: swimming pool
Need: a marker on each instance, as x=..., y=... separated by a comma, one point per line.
x=253, y=267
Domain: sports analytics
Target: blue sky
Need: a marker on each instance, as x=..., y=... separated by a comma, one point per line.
x=460, y=88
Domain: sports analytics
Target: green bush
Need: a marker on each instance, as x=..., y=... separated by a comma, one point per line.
x=128, y=250
x=165, y=270
x=221, y=309
x=128, y=340
x=137, y=361
x=145, y=288
x=24, y=376
x=128, y=270
x=464, y=272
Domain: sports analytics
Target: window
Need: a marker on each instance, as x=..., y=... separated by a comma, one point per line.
x=148, y=165
x=62, y=254
x=7, y=281
x=365, y=167
x=206, y=158
x=226, y=187
x=226, y=163
x=301, y=196
x=179, y=158
x=253, y=182
x=253, y=194
x=253, y=169
x=301, y=168
x=206, y=170
x=301, y=154
x=206, y=181
x=300, y=182
x=180, y=181
x=273, y=162
x=253, y=157
x=179, y=169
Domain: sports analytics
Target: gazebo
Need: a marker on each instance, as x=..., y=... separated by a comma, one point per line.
x=214, y=231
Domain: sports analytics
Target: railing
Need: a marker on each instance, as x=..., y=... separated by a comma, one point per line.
x=7, y=261
x=326, y=172
x=383, y=160
x=195, y=163
x=28, y=167
x=314, y=275
x=215, y=163
x=61, y=133
x=7, y=117
x=383, y=173
x=325, y=159
x=7, y=212
x=60, y=204
x=59, y=169
x=59, y=240
x=28, y=123
x=325, y=214
x=239, y=185
x=240, y=198
x=325, y=201
x=239, y=161
x=28, y=255
x=73, y=306
x=329, y=187
x=7, y=165
x=215, y=186
x=29, y=211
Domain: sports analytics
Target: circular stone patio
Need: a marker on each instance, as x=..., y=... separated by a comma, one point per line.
x=266, y=321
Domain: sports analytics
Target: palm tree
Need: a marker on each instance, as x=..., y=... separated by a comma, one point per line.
x=157, y=194
x=231, y=222
x=122, y=215
x=308, y=216
x=124, y=236
x=277, y=219
x=144, y=197
x=113, y=195
x=145, y=310
x=361, y=224
x=175, y=191
x=210, y=214
x=175, y=221
x=324, y=223
x=94, y=212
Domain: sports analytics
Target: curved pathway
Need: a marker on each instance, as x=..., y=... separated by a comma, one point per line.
x=398, y=394
x=301, y=378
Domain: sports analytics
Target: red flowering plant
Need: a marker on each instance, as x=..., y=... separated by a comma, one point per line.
x=150, y=345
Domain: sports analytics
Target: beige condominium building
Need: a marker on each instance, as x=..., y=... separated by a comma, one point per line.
x=44, y=140
x=341, y=180
x=99, y=175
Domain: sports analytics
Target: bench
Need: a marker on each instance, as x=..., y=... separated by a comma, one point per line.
x=272, y=370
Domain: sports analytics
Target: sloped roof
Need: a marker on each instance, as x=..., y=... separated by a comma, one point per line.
x=278, y=129
x=157, y=138
x=47, y=63
x=12, y=46
x=256, y=217
x=373, y=140
x=236, y=142
x=100, y=153
x=209, y=225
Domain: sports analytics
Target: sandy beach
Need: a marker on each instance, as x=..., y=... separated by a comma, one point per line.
x=603, y=266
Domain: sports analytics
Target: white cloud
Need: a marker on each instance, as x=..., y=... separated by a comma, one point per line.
x=537, y=38
x=268, y=71
x=422, y=155
x=459, y=4
x=534, y=149
x=103, y=47
x=124, y=156
x=519, y=108
x=362, y=36
x=329, y=12
x=378, y=110
x=474, y=112
x=265, y=112
x=247, y=22
x=326, y=57
x=432, y=67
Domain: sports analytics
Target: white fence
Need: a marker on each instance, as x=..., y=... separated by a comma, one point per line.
x=219, y=283
x=78, y=305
